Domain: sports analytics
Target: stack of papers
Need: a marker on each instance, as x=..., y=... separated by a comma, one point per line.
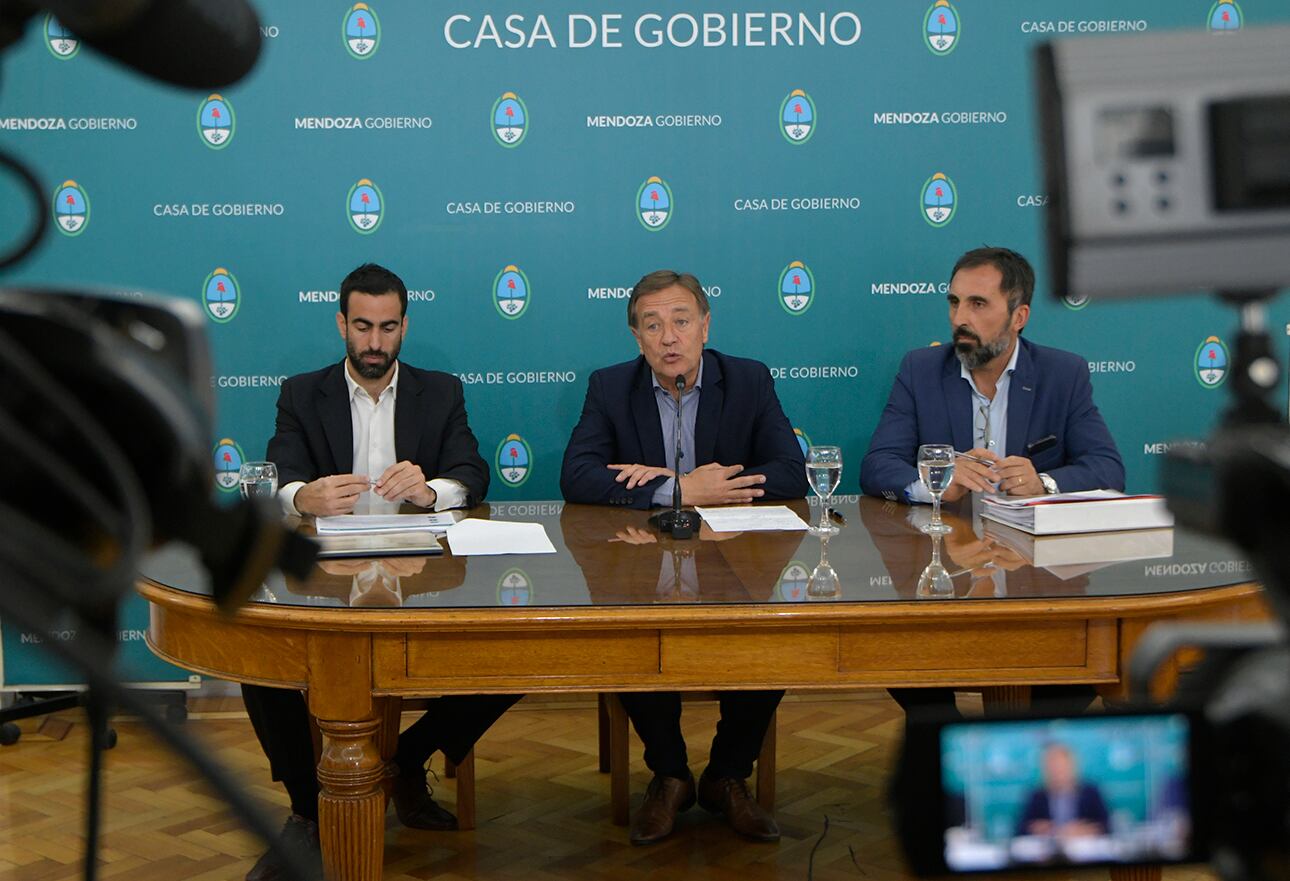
x=489, y=537
x=1100, y=510
x=374, y=524
x=751, y=518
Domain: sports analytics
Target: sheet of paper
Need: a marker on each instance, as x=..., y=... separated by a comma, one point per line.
x=487, y=537
x=751, y=518
x=352, y=524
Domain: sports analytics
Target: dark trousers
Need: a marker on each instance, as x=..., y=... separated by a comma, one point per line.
x=940, y=701
x=280, y=718
x=745, y=716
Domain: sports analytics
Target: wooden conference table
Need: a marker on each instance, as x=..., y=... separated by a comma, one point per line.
x=619, y=609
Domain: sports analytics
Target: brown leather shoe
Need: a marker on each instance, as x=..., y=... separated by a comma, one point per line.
x=729, y=796
x=415, y=807
x=665, y=797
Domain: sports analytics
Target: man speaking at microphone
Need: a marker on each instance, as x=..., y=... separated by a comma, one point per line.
x=736, y=447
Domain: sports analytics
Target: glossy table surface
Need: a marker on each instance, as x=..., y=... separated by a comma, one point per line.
x=611, y=557
x=617, y=608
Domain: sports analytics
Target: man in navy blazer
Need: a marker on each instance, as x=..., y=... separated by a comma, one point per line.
x=1065, y=806
x=736, y=446
x=1025, y=410
x=738, y=421
x=370, y=431
x=1053, y=437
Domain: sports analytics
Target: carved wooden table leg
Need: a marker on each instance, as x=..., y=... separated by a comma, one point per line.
x=1136, y=873
x=351, y=769
x=351, y=806
x=1005, y=698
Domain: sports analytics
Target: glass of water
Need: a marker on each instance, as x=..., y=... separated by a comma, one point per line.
x=824, y=583
x=258, y=479
x=935, y=582
x=936, y=471
x=824, y=472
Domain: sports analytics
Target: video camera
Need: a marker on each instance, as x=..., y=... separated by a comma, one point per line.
x=105, y=415
x=1167, y=161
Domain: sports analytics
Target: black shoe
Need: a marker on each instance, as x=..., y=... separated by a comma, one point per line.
x=299, y=837
x=415, y=807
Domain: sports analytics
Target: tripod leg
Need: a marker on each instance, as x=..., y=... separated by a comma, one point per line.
x=97, y=713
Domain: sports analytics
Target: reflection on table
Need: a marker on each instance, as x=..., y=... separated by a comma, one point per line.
x=974, y=564
x=625, y=563
x=610, y=556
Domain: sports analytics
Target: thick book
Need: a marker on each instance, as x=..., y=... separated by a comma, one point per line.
x=1094, y=511
x=379, y=544
x=1080, y=552
x=370, y=524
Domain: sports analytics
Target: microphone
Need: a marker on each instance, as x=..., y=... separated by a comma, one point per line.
x=676, y=466
x=198, y=44
x=678, y=523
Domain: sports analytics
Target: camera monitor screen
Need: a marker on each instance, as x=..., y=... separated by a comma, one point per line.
x=1110, y=789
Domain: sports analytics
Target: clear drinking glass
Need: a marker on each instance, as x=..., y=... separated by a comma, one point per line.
x=936, y=471
x=935, y=583
x=824, y=583
x=258, y=480
x=824, y=473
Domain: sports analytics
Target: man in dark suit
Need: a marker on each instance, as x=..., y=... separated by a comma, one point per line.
x=370, y=424
x=1026, y=410
x=1065, y=806
x=737, y=446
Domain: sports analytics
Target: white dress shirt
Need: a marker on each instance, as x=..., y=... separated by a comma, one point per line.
x=373, y=430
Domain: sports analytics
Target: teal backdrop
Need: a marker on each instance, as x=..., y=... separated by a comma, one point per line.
x=498, y=157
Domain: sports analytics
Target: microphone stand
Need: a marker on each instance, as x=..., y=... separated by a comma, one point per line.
x=677, y=523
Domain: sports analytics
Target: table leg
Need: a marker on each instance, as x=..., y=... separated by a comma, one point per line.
x=351, y=806
x=351, y=768
x=390, y=711
x=619, y=777
x=1136, y=873
x=1005, y=698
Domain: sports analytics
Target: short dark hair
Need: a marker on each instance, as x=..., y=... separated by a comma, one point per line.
x=661, y=279
x=376, y=280
x=1018, y=281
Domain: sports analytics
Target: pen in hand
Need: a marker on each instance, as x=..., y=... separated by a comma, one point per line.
x=972, y=458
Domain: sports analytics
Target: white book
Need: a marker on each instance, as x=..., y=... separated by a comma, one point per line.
x=1079, y=512
x=1081, y=552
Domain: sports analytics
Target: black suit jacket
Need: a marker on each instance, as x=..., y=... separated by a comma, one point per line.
x=740, y=422
x=314, y=436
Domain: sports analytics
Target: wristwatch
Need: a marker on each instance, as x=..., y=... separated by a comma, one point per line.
x=1050, y=485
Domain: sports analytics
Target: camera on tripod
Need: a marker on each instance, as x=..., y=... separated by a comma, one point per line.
x=1167, y=163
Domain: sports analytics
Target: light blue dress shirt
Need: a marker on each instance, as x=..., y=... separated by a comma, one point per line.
x=989, y=421
x=667, y=416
